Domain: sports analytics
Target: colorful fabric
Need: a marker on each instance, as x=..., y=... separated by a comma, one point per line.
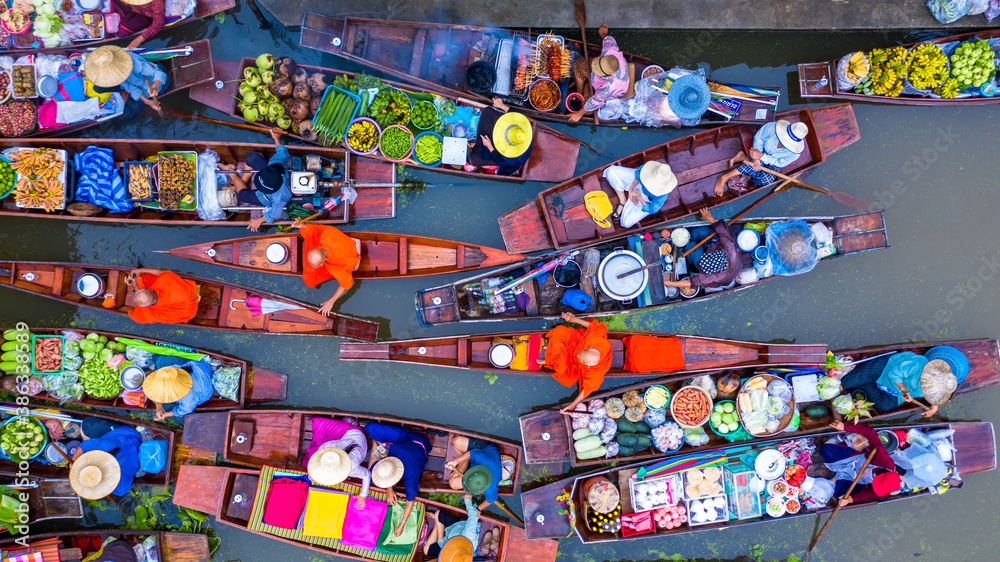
x=775, y=156
x=256, y=523
x=71, y=87
x=341, y=256
x=100, y=181
x=713, y=262
x=410, y=448
x=202, y=388
x=123, y=443
x=682, y=463
x=325, y=512
x=608, y=87
x=284, y=503
x=651, y=354
x=40, y=551
x=363, y=524
x=155, y=11
x=176, y=299
x=342, y=435
x=566, y=343
x=527, y=351
x=411, y=529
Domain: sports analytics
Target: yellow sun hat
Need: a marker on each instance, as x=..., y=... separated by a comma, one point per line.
x=512, y=134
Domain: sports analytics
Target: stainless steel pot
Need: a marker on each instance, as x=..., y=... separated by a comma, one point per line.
x=614, y=264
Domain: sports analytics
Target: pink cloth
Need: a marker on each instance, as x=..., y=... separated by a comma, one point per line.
x=285, y=501
x=325, y=429
x=363, y=526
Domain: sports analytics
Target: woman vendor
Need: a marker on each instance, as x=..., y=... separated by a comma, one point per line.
x=880, y=479
x=578, y=356
x=337, y=450
x=775, y=145
x=178, y=390
x=640, y=192
x=890, y=381
x=139, y=15
x=477, y=468
x=719, y=265
x=113, y=69
x=405, y=460
x=504, y=141
x=107, y=464
x=608, y=76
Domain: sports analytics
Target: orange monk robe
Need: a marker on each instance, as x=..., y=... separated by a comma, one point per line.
x=176, y=299
x=341, y=256
x=562, y=355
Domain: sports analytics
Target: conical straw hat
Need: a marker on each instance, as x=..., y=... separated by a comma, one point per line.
x=387, y=472
x=168, y=384
x=329, y=466
x=107, y=66
x=94, y=475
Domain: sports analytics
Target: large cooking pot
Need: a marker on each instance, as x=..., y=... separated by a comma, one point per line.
x=614, y=264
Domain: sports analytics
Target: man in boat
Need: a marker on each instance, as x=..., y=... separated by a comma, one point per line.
x=608, y=76
x=880, y=478
x=578, y=356
x=448, y=534
x=139, y=15
x=271, y=189
x=177, y=390
x=641, y=192
x=505, y=140
x=889, y=381
x=162, y=297
x=477, y=469
x=337, y=450
x=121, y=446
x=718, y=265
x=775, y=146
x=330, y=254
x=113, y=69
x=406, y=457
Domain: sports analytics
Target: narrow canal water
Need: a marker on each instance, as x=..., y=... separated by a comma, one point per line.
x=940, y=280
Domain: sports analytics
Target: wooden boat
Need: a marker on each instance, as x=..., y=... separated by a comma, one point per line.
x=471, y=352
x=203, y=9
x=819, y=80
x=984, y=372
x=280, y=438
x=384, y=255
x=77, y=545
x=558, y=219
x=51, y=471
x=374, y=201
x=52, y=499
x=222, y=305
x=973, y=443
x=465, y=300
x=436, y=55
x=184, y=72
x=230, y=495
x=256, y=385
x=553, y=154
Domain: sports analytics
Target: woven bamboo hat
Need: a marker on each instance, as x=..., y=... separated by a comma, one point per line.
x=512, y=134
x=387, y=472
x=168, y=384
x=94, y=475
x=605, y=66
x=137, y=2
x=457, y=549
x=107, y=66
x=329, y=466
x=937, y=382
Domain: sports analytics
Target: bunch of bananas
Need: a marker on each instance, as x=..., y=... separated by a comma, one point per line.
x=887, y=73
x=926, y=66
x=45, y=194
x=41, y=163
x=949, y=89
x=858, y=67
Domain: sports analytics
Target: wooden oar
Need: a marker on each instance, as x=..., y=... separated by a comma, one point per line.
x=581, y=17
x=739, y=215
x=499, y=503
x=247, y=126
x=845, y=198
x=836, y=510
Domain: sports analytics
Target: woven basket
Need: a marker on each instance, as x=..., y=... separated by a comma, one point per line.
x=81, y=209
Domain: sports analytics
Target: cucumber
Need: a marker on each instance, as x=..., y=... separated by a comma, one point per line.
x=625, y=426
x=11, y=335
x=643, y=427
x=8, y=366
x=642, y=441
x=595, y=453
x=11, y=356
x=625, y=451
x=581, y=433
x=9, y=346
x=627, y=439
x=587, y=443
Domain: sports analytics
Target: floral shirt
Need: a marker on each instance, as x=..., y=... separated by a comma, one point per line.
x=608, y=87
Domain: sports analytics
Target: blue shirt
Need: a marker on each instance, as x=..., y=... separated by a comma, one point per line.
x=468, y=528
x=904, y=367
x=276, y=202
x=488, y=456
x=142, y=70
x=410, y=448
x=123, y=443
x=201, y=387
x=653, y=203
x=766, y=141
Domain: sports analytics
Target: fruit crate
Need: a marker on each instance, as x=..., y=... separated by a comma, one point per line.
x=62, y=362
x=62, y=176
x=5, y=192
x=153, y=191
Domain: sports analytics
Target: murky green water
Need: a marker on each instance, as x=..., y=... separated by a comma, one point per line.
x=933, y=284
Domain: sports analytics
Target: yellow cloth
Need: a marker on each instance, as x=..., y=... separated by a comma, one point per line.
x=91, y=93
x=325, y=512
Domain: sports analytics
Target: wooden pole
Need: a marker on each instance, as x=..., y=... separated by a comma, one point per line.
x=836, y=510
x=845, y=198
x=741, y=214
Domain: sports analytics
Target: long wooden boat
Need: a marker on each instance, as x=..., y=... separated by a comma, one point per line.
x=183, y=71
x=77, y=545
x=203, y=9
x=280, y=438
x=374, y=201
x=471, y=352
x=975, y=452
x=984, y=372
x=51, y=471
x=436, y=55
x=222, y=305
x=256, y=385
x=230, y=494
x=558, y=219
x=51, y=499
x=464, y=301
x=819, y=80
x=384, y=255
x=553, y=154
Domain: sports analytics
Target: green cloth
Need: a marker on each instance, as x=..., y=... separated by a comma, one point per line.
x=161, y=350
x=388, y=542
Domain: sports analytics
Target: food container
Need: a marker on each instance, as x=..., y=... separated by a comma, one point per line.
x=634, y=524
x=646, y=397
x=651, y=70
x=706, y=511
x=130, y=170
x=687, y=390
x=276, y=253
x=42, y=444
x=793, y=506
x=574, y=102
x=89, y=286
x=189, y=203
x=501, y=355
x=47, y=86
x=424, y=104
x=417, y=159
x=654, y=493
x=691, y=293
x=132, y=377
x=62, y=176
x=728, y=434
x=34, y=79
x=703, y=483
x=748, y=240
x=37, y=339
x=889, y=440
x=744, y=501
x=87, y=5
x=389, y=128
x=25, y=29
x=378, y=132
x=614, y=264
x=744, y=397
x=7, y=92
x=545, y=84
x=4, y=162
x=769, y=464
x=775, y=507
x=53, y=457
x=95, y=22
x=778, y=488
x=454, y=150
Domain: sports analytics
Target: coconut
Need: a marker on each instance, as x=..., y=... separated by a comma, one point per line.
x=317, y=83
x=267, y=77
x=299, y=110
x=251, y=77
x=299, y=76
x=284, y=122
x=274, y=111
x=265, y=61
x=302, y=92
x=314, y=104
x=282, y=87
x=250, y=112
x=306, y=130
x=285, y=66
x=287, y=104
x=250, y=97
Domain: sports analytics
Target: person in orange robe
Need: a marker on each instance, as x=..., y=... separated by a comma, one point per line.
x=578, y=356
x=330, y=254
x=163, y=297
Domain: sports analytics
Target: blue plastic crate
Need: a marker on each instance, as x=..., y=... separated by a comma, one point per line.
x=339, y=90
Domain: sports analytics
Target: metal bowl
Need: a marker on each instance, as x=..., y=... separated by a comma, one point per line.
x=90, y=285
x=501, y=355
x=614, y=264
x=276, y=253
x=131, y=377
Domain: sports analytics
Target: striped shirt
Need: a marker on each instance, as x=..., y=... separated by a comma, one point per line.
x=154, y=10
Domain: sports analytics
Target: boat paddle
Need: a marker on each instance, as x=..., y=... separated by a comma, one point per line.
x=836, y=510
x=581, y=18
x=268, y=130
x=499, y=503
x=845, y=198
x=778, y=189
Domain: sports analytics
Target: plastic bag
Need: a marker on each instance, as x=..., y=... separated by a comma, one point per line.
x=845, y=84
x=649, y=106
x=611, y=449
x=596, y=425
x=226, y=381
x=993, y=11
x=977, y=7
x=758, y=400
x=791, y=247
x=820, y=494
x=706, y=383
x=776, y=407
x=655, y=418
x=70, y=335
x=843, y=404
x=780, y=389
x=696, y=437
x=208, y=199
x=610, y=428
x=948, y=11
x=754, y=421
x=827, y=387
x=138, y=357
